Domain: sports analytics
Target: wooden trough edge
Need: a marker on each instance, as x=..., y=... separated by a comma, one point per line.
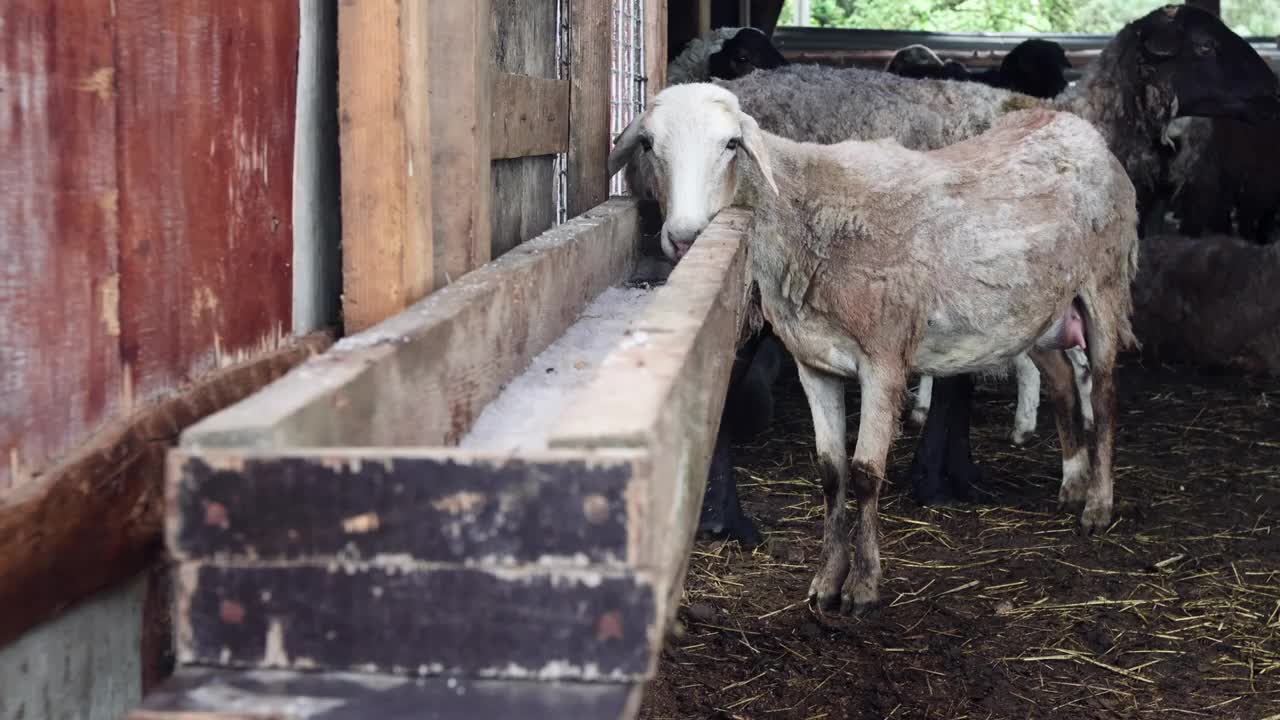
x=663, y=389
x=452, y=350
x=95, y=520
x=201, y=694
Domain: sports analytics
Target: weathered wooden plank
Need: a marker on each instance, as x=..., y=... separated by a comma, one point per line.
x=530, y=116
x=60, y=372
x=655, y=44
x=523, y=202
x=385, y=127
x=95, y=519
x=427, y=506
x=199, y=694
x=206, y=128
x=409, y=618
x=589, y=142
x=421, y=377
x=458, y=54
x=664, y=389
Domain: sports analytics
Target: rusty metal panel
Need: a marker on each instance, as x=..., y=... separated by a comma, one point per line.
x=206, y=123
x=59, y=283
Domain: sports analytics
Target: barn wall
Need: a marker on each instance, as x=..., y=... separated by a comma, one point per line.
x=145, y=206
x=146, y=231
x=83, y=665
x=523, y=42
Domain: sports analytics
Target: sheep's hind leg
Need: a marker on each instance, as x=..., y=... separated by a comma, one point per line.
x=924, y=396
x=942, y=470
x=826, y=402
x=1064, y=396
x=1100, y=434
x=882, y=389
x=1024, y=420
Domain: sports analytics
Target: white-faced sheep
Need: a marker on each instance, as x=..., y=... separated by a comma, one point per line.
x=1176, y=60
x=874, y=260
x=1210, y=301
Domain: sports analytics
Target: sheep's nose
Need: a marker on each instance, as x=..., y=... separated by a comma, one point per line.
x=682, y=235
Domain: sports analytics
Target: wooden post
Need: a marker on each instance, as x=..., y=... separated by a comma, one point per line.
x=704, y=16
x=655, y=48
x=384, y=132
x=589, y=141
x=460, y=61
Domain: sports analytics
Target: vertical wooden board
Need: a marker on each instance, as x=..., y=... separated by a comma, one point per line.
x=589, y=142
x=458, y=54
x=205, y=152
x=655, y=44
x=523, y=189
x=59, y=284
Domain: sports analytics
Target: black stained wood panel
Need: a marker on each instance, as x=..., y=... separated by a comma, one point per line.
x=416, y=620
x=426, y=509
x=341, y=696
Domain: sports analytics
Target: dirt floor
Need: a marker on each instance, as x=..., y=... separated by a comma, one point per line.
x=1001, y=610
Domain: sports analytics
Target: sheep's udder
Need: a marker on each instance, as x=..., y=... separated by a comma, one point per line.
x=522, y=416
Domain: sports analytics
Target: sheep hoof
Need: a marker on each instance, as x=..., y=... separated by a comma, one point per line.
x=1095, y=518
x=1020, y=437
x=824, y=590
x=860, y=596
x=1072, y=496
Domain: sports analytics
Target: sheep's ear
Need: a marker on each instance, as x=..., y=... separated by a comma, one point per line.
x=623, y=148
x=753, y=145
x=1162, y=36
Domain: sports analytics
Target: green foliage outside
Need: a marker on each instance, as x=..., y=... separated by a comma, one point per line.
x=1246, y=17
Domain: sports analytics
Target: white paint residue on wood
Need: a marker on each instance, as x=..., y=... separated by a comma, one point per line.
x=522, y=416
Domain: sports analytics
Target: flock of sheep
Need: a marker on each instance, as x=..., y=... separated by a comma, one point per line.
x=907, y=224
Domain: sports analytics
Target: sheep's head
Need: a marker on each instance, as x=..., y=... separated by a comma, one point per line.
x=749, y=50
x=693, y=136
x=1209, y=69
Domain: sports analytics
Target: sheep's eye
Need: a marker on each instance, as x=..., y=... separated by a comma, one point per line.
x=732, y=144
x=646, y=144
x=1204, y=48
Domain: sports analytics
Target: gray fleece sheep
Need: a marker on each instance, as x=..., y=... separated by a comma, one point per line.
x=1154, y=69
x=1210, y=301
x=874, y=260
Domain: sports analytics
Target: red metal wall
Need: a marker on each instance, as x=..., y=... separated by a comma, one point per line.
x=146, y=163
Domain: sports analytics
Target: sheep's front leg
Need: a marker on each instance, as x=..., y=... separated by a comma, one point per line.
x=826, y=401
x=942, y=469
x=1024, y=421
x=882, y=389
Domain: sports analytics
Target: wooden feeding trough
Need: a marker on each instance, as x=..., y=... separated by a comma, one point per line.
x=482, y=504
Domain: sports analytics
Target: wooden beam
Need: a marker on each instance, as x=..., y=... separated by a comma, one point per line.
x=95, y=519
x=704, y=16
x=530, y=116
x=387, y=259
x=458, y=53
x=589, y=141
x=440, y=505
x=277, y=695
x=405, y=618
x=451, y=352
x=655, y=44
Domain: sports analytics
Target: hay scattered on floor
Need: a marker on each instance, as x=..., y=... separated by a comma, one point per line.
x=1001, y=610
